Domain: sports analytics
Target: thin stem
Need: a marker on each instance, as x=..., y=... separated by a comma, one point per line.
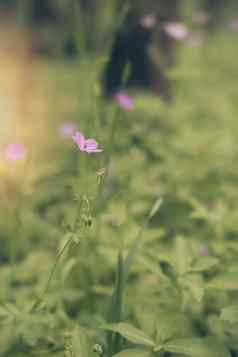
x=14, y=242
x=103, y=183
x=41, y=297
x=111, y=137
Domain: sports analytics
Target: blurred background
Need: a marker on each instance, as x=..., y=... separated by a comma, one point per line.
x=63, y=34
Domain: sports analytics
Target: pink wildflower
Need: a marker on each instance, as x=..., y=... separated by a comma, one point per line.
x=124, y=101
x=88, y=145
x=176, y=30
x=15, y=152
x=148, y=21
x=67, y=129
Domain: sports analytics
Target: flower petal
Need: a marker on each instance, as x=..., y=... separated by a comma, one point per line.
x=176, y=30
x=79, y=139
x=124, y=101
x=91, y=146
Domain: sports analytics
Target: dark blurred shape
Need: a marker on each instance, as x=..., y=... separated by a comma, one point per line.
x=130, y=50
x=42, y=12
x=88, y=5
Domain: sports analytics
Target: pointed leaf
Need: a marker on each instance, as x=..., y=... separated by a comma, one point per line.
x=182, y=255
x=139, y=240
x=226, y=281
x=195, y=284
x=130, y=333
x=116, y=307
x=197, y=347
x=155, y=208
x=230, y=314
x=203, y=264
x=169, y=326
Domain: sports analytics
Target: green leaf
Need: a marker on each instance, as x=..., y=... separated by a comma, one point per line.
x=133, y=353
x=224, y=331
x=182, y=256
x=203, y=264
x=197, y=347
x=194, y=283
x=226, y=281
x=81, y=346
x=155, y=208
x=13, y=309
x=68, y=268
x=230, y=314
x=171, y=324
x=131, y=333
x=116, y=307
x=139, y=239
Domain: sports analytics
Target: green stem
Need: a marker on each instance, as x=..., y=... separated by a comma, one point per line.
x=99, y=200
x=14, y=243
x=41, y=297
x=112, y=136
x=115, y=314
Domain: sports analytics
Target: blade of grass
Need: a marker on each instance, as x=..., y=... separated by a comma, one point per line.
x=129, y=260
x=114, y=339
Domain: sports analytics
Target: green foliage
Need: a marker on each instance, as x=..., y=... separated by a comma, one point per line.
x=197, y=347
x=131, y=333
x=80, y=344
x=87, y=267
x=230, y=314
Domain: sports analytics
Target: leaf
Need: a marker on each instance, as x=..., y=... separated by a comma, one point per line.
x=68, y=268
x=226, y=281
x=138, y=240
x=13, y=309
x=171, y=324
x=32, y=328
x=230, y=314
x=194, y=284
x=81, y=346
x=203, y=264
x=224, y=331
x=197, y=347
x=133, y=353
x=115, y=312
x=130, y=333
x=116, y=307
x=182, y=255
x=155, y=208
x=197, y=292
